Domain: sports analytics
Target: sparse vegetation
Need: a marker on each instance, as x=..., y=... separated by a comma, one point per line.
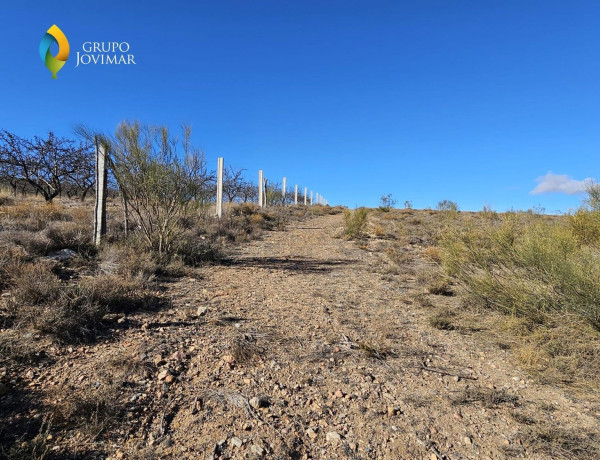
x=443, y=320
x=447, y=206
x=387, y=203
x=66, y=310
x=487, y=397
x=355, y=223
x=537, y=272
x=526, y=266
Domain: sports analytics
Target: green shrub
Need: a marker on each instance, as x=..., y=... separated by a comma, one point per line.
x=525, y=266
x=355, y=223
x=585, y=225
x=163, y=178
x=448, y=206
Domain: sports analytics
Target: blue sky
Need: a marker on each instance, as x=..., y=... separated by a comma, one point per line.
x=428, y=100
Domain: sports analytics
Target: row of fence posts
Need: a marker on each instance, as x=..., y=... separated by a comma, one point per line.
x=262, y=191
x=101, y=173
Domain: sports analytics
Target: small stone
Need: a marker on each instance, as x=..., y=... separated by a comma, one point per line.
x=338, y=394
x=457, y=416
x=260, y=401
x=468, y=441
x=170, y=378
x=162, y=375
x=311, y=433
x=432, y=456
x=158, y=360
x=229, y=359
x=121, y=320
x=63, y=255
x=392, y=410
x=201, y=311
x=111, y=317
x=258, y=450
x=178, y=356
x=333, y=437
x=236, y=442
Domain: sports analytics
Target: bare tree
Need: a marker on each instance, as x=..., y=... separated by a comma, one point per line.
x=46, y=165
x=81, y=180
x=249, y=191
x=233, y=184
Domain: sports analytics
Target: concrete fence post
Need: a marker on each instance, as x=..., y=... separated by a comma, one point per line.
x=260, y=187
x=305, y=195
x=311, y=197
x=219, y=186
x=101, y=174
x=295, y=194
x=284, y=189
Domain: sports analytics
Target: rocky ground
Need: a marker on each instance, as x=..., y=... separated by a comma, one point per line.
x=300, y=345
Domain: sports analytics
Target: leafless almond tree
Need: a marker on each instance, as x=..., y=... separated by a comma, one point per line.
x=47, y=165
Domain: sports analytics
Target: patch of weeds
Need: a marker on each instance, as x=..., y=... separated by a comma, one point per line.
x=374, y=351
x=443, y=320
x=433, y=253
x=422, y=300
x=93, y=411
x=522, y=418
x=560, y=443
x=439, y=286
x=70, y=311
x=245, y=350
x=36, y=448
x=488, y=397
x=398, y=255
x=16, y=347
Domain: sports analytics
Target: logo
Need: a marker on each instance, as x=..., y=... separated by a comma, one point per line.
x=54, y=63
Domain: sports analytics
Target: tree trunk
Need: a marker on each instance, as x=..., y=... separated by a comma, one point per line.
x=125, y=214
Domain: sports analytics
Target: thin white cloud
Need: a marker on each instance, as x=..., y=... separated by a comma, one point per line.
x=559, y=183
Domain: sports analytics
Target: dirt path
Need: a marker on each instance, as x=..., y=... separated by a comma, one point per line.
x=304, y=323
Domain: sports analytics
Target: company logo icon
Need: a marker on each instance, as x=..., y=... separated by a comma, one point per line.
x=54, y=63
